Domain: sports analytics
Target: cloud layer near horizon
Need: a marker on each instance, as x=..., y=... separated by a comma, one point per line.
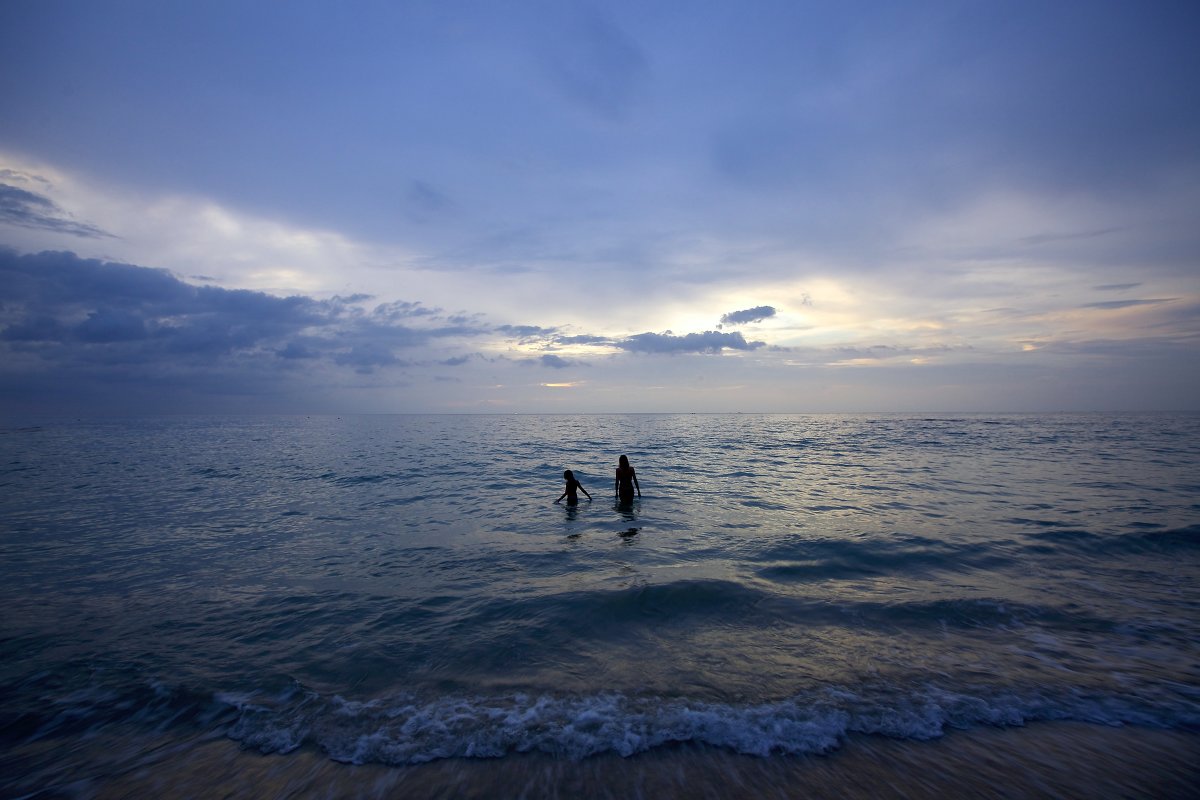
x=134, y=339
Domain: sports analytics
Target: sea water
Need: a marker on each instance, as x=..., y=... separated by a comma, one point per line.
x=404, y=589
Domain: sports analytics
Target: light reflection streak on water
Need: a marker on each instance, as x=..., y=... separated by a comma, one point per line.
x=801, y=548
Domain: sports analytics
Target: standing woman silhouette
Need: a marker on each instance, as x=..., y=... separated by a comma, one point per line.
x=626, y=481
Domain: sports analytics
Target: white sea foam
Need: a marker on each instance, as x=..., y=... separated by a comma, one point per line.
x=407, y=731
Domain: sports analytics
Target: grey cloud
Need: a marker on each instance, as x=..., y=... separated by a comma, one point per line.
x=1172, y=349
x=366, y=356
x=35, y=329
x=30, y=210
x=1116, y=304
x=523, y=330
x=707, y=342
x=582, y=339
x=1034, y=100
x=106, y=325
x=1116, y=287
x=352, y=299
x=883, y=352
x=400, y=309
x=425, y=202
x=1049, y=238
x=557, y=362
x=599, y=65
x=79, y=316
x=297, y=350
x=526, y=333
x=756, y=314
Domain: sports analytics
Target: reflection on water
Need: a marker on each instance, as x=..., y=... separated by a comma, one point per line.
x=783, y=582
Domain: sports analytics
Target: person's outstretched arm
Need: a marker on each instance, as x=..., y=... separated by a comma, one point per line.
x=560, y=497
x=637, y=485
x=585, y=491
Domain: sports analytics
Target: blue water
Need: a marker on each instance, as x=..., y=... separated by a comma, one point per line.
x=400, y=589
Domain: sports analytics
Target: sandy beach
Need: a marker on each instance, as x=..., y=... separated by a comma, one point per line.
x=1068, y=760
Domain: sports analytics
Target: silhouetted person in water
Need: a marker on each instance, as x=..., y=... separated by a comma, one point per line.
x=572, y=485
x=626, y=481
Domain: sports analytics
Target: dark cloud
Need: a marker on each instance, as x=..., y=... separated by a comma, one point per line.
x=582, y=339
x=297, y=350
x=34, y=329
x=524, y=330
x=707, y=342
x=526, y=334
x=550, y=361
x=398, y=310
x=557, y=362
x=756, y=314
x=1115, y=304
x=107, y=325
x=598, y=65
x=29, y=210
x=77, y=318
x=425, y=202
x=366, y=356
x=1051, y=238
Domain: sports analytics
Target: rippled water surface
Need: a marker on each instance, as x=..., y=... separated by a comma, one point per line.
x=397, y=589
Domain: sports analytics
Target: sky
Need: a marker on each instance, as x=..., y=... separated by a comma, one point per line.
x=559, y=207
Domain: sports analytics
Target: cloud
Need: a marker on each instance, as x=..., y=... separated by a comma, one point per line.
x=551, y=361
x=557, y=362
x=59, y=311
x=425, y=202
x=30, y=210
x=525, y=334
x=107, y=325
x=1116, y=304
x=1050, y=238
x=707, y=342
x=756, y=314
x=396, y=310
x=297, y=350
x=583, y=339
x=366, y=356
x=598, y=65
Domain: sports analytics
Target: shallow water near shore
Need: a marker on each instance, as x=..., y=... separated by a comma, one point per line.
x=297, y=596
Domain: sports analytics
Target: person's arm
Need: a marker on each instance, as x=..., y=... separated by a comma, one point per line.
x=617, y=485
x=637, y=485
x=585, y=491
x=560, y=497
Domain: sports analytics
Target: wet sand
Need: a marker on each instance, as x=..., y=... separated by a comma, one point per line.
x=1068, y=760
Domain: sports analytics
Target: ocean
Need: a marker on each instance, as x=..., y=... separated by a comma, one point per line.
x=394, y=605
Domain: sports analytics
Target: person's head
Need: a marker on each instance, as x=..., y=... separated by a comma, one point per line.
x=623, y=461
x=568, y=475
